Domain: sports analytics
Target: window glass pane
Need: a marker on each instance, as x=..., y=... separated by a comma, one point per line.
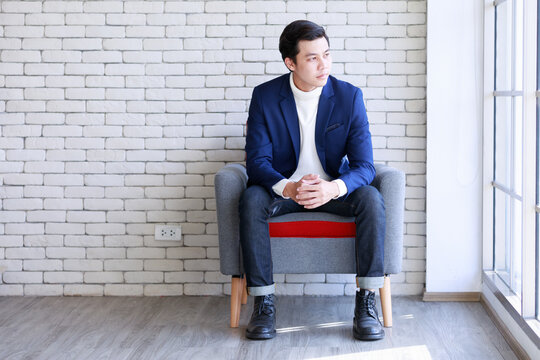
x=503, y=143
x=518, y=52
x=517, y=145
x=516, y=246
x=508, y=240
x=502, y=235
x=503, y=46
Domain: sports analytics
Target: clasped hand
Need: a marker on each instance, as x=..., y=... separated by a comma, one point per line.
x=311, y=191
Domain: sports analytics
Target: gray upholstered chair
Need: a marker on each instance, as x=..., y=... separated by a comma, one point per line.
x=299, y=253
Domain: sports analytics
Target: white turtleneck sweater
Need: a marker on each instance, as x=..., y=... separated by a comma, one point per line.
x=307, y=103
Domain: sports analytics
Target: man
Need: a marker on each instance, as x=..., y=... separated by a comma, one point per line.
x=309, y=148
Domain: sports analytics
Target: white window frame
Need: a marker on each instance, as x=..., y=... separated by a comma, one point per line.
x=522, y=309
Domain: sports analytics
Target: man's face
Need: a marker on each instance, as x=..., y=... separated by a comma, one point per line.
x=313, y=64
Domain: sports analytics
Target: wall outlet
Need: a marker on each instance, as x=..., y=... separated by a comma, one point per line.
x=168, y=232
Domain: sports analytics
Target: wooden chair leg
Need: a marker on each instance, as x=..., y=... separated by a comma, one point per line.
x=236, y=297
x=386, y=302
x=244, y=291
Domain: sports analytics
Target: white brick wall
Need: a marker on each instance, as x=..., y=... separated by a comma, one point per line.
x=115, y=115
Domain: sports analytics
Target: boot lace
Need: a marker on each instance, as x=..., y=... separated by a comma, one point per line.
x=265, y=306
x=366, y=305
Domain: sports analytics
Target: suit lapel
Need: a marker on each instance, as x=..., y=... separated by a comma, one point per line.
x=288, y=108
x=324, y=111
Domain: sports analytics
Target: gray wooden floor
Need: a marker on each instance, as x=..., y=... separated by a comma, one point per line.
x=197, y=328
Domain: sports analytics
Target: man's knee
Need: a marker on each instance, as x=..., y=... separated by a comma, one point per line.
x=368, y=198
x=254, y=198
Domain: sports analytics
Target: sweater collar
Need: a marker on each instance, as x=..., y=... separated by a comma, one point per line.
x=304, y=95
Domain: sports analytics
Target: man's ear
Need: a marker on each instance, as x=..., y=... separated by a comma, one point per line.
x=289, y=63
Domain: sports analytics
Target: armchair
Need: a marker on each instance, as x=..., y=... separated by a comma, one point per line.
x=306, y=243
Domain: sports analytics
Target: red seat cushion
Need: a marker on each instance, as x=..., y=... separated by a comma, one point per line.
x=313, y=229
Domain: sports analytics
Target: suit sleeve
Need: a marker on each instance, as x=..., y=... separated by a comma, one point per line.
x=259, y=147
x=361, y=170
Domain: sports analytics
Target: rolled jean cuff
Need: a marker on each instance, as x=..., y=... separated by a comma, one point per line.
x=262, y=290
x=375, y=282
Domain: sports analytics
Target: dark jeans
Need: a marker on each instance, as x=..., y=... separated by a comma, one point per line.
x=365, y=204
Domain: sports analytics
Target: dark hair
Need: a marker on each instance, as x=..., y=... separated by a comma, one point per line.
x=296, y=31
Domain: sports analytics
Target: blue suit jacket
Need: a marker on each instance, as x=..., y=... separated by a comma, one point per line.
x=342, y=136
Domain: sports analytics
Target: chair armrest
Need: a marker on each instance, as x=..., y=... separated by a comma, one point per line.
x=230, y=183
x=391, y=184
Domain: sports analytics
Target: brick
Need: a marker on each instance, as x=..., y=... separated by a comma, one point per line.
x=123, y=240
x=122, y=44
x=364, y=68
x=367, y=18
x=43, y=290
x=408, y=19
x=24, y=31
x=206, y=19
x=186, y=253
x=142, y=56
x=62, y=277
x=24, y=81
x=387, y=6
x=46, y=216
x=11, y=44
x=23, y=228
x=123, y=290
x=103, y=277
x=143, y=7
x=25, y=253
x=10, y=265
x=184, y=277
x=105, y=31
x=364, y=43
x=103, y=6
x=346, y=6
x=42, y=265
x=203, y=289
x=328, y=18
x=406, y=44
x=243, y=43
x=20, y=277
x=83, y=265
x=22, y=204
x=83, y=290
x=163, y=290
x=184, y=6
x=121, y=168
x=177, y=31
x=304, y=278
x=21, y=7
x=246, y=19
x=62, y=6
x=324, y=289
x=85, y=19
x=265, y=6
x=417, y=56
x=225, y=31
x=123, y=265
x=145, y=81
x=225, y=6
x=144, y=277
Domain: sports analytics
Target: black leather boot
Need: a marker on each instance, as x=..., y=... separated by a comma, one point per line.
x=367, y=325
x=262, y=325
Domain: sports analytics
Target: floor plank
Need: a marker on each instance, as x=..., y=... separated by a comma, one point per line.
x=197, y=328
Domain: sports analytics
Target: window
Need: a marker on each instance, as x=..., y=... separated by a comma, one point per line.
x=512, y=157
